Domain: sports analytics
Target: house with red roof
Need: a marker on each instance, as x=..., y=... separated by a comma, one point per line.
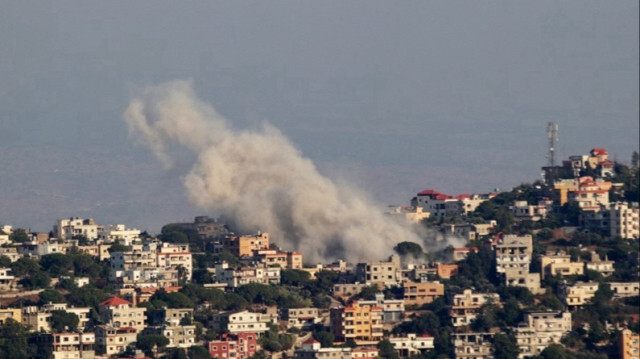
x=119, y=313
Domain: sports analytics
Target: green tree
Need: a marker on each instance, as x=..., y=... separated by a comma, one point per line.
x=173, y=300
x=19, y=236
x=36, y=280
x=57, y=264
x=64, y=321
x=386, y=350
x=13, y=340
x=554, y=351
x=294, y=277
x=24, y=266
x=325, y=338
x=199, y=352
x=50, y=296
x=505, y=346
x=409, y=248
x=146, y=342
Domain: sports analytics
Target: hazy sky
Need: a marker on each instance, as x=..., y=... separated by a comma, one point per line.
x=393, y=96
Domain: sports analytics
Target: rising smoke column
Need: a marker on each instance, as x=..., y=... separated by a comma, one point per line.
x=261, y=181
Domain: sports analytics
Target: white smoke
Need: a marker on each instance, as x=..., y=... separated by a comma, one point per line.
x=261, y=181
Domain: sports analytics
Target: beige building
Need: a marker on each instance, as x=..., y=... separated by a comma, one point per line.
x=513, y=252
x=347, y=290
x=522, y=210
x=541, y=329
x=559, y=263
x=11, y=253
x=180, y=336
x=284, y=260
x=412, y=344
x=10, y=313
x=243, y=246
x=242, y=322
x=604, y=267
x=624, y=290
x=519, y=277
x=381, y=273
x=73, y=345
x=590, y=194
x=302, y=318
x=111, y=340
x=392, y=309
x=235, y=277
x=363, y=324
x=67, y=228
x=467, y=305
x=311, y=349
x=121, y=313
x=624, y=219
x=418, y=294
x=473, y=345
x=579, y=293
x=7, y=280
x=629, y=345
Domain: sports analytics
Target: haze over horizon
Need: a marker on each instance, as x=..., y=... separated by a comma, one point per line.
x=392, y=97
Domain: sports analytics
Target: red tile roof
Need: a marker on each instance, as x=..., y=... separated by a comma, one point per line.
x=599, y=151
x=310, y=341
x=115, y=301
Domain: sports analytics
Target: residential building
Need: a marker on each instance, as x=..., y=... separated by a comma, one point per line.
x=7, y=281
x=243, y=246
x=36, y=320
x=119, y=313
x=559, y=263
x=541, y=329
x=240, y=346
x=624, y=290
x=410, y=213
x=312, y=349
x=363, y=324
x=383, y=274
x=467, y=305
x=11, y=253
x=73, y=345
x=412, y=344
x=392, y=309
x=68, y=228
x=446, y=271
x=604, y=267
x=473, y=345
x=179, y=335
x=345, y=291
x=206, y=227
x=10, y=313
x=175, y=257
x=235, y=277
x=285, y=260
x=520, y=277
x=522, y=210
x=590, y=194
x=624, y=219
x=421, y=293
x=111, y=340
x=242, y=322
x=461, y=253
x=513, y=251
x=629, y=345
x=302, y=318
x=101, y=251
x=470, y=231
x=580, y=293
x=120, y=233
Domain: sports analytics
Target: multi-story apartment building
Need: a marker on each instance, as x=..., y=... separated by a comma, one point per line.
x=392, y=309
x=111, y=340
x=467, y=305
x=513, y=251
x=302, y=318
x=446, y=271
x=520, y=277
x=67, y=228
x=11, y=253
x=522, y=210
x=579, y=293
x=559, y=263
x=421, y=293
x=164, y=264
x=541, y=329
x=473, y=345
x=363, y=324
x=285, y=260
x=590, y=194
x=440, y=205
x=624, y=220
x=629, y=345
x=243, y=246
x=242, y=322
x=73, y=345
x=240, y=346
x=179, y=335
x=175, y=257
x=120, y=233
x=121, y=313
x=100, y=251
x=412, y=344
x=234, y=277
x=380, y=273
x=470, y=231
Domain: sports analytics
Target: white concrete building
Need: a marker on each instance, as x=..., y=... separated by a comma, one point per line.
x=67, y=228
x=541, y=329
x=467, y=304
x=412, y=344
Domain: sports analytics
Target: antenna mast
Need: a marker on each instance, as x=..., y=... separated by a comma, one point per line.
x=552, y=135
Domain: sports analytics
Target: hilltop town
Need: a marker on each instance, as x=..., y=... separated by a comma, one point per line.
x=548, y=269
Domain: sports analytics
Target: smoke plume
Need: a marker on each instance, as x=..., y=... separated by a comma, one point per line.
x=261, y=181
